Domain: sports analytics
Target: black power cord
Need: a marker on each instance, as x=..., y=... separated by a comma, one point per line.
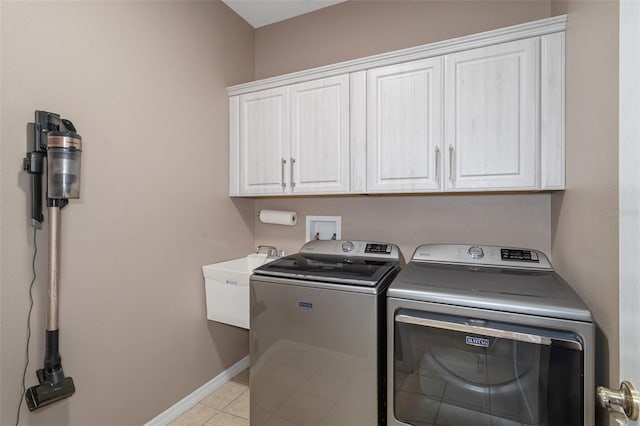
x=26, y=365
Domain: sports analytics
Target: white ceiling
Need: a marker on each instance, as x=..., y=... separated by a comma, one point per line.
x=259, y=13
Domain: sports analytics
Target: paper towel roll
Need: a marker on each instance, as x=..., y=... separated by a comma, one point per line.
x=278, y=217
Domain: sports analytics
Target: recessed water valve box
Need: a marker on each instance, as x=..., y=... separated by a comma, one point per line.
x=323, y=228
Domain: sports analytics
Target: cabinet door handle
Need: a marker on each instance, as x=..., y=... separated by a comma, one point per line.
x=437, y=165
x=293, y=183
x=284, y=184
x=451, y=164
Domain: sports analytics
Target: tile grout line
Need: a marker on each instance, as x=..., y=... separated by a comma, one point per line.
x=224, y=410
x=228, y=414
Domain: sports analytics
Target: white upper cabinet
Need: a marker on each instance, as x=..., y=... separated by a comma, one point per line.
x=263, y=141
x=483, y=112
x=492, y=99
x=552, y=142
x=291, y=140
x=319, y=156
x=404, y=127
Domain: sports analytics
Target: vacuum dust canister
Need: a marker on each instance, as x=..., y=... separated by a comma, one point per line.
x=64, y=150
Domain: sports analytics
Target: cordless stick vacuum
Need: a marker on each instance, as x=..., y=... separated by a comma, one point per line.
x=57, y=140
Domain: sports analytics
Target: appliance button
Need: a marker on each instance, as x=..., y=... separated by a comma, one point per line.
x=347, y=246
x=476, y=252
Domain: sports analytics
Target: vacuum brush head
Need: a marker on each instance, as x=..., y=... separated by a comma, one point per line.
x=53, y=386
x=47, y=393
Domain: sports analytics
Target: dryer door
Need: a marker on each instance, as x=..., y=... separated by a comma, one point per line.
x=465, y=371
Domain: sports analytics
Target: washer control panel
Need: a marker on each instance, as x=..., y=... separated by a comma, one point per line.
x=378, y=248
x=518, y=255
x=482, y=255
x=368, y=249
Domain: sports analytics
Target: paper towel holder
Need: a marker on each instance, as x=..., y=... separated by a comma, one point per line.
x=278, y=217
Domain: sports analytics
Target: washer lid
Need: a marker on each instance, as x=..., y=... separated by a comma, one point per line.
x=534, y=292
x=332, y=269
x=360, y=263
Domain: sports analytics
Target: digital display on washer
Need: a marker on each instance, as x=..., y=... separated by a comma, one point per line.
x=519, y=255
x=378, y=248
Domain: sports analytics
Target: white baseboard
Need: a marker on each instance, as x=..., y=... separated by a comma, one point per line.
x=182, y=406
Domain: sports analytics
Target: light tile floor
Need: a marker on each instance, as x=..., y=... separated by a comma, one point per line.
x=227, y=406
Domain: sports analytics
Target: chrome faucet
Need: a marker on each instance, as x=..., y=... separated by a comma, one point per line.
x=272, y=252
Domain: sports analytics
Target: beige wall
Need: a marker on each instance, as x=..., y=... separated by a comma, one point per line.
x=584, y=217
x=357, y=28
x=413, y=220
x=144, y=82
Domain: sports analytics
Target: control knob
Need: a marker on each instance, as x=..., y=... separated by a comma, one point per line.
x=347, y=246
x=476, y=252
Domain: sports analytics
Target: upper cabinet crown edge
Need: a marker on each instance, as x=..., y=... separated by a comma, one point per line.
x=540, y=27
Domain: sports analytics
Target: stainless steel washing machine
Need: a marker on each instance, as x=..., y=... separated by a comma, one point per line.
x=486, y=335
x=317, y=335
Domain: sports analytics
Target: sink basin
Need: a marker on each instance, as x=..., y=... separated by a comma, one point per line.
x=227, y=289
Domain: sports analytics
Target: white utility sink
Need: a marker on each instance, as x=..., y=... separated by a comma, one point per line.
x=227, y=289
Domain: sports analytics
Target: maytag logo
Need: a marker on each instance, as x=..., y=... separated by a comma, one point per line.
x=477, y=341
x=306, y=305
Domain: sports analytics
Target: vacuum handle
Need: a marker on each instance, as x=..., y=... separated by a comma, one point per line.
x=54, y=266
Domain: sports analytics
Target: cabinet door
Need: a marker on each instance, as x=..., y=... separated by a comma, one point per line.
x=264, y=142
x=404, y=127
x=492, y=118
x=319, y=159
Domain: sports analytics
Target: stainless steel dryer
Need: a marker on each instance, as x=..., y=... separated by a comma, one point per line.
x=486, y=335
x=317, y=336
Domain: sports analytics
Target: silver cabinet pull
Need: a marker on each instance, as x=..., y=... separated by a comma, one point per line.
x=437, y=165
x=284, y=184
x=451, y=174
x=293, y=183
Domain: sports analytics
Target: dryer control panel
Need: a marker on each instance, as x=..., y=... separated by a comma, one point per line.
x=483, y=255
